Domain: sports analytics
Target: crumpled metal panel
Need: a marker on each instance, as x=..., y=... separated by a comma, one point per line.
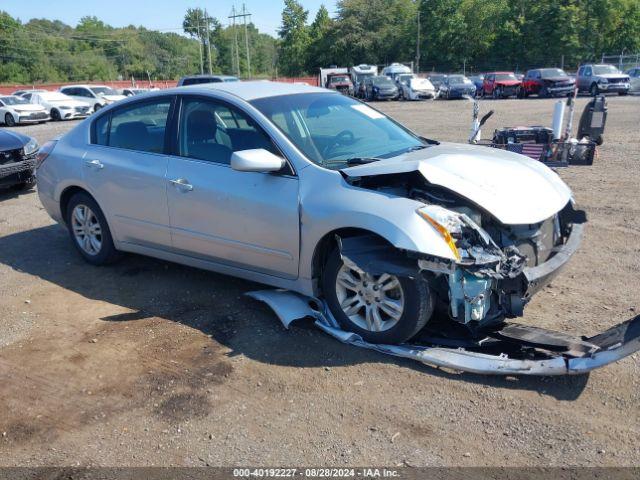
x=290, y=306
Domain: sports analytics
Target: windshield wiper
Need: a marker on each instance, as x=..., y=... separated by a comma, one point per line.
x=415, y=147
x=360, y=160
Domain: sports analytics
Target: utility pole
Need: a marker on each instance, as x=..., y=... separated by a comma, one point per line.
x=246, y=39
x=200, y=42
x=244, y=16
x=418, y=40
x=208, y=40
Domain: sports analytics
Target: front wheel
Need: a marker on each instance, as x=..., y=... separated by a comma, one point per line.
x=380, y=308
x=55, y=115
x=594, y=90
x=9, y=120
x=89, y=231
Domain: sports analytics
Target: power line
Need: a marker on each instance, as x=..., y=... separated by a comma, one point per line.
x=244, y=15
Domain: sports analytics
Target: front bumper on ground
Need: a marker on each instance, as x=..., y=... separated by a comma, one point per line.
x=531, y=352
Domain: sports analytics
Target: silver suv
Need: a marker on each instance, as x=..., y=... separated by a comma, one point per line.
x=597, y=79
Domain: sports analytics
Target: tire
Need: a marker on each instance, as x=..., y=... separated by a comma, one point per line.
x=622, y=94
x=416, y=299
x=106, y=253
x=594, y=90
x=544, y=93
x=9, y=121
x=96, y=107
x=55, y=115
x=599, y=140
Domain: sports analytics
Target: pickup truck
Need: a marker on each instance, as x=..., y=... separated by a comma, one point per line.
x=547, y=82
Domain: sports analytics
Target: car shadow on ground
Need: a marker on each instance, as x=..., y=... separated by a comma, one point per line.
x=216, y=305
x=9, y=193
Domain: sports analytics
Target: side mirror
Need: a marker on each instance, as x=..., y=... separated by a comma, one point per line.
x=256, y=160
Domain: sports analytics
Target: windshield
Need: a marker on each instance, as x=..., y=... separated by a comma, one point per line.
x=331, y=129
x=339, y=79
x=605, y=69
x=552, y=72
x=436, y=78
x=505, y=76
x=405, y=77
x=458, y=80
x=382, y=81
x=103, y=91
x=13, y=100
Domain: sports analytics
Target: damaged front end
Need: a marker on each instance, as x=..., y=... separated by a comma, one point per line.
x=488, y=281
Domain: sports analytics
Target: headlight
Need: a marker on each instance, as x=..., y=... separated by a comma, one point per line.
x=31, y=147
x=603, y=80
x=446, y=223
x=461, y=231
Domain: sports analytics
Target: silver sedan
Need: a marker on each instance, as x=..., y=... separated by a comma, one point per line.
x=305, y=189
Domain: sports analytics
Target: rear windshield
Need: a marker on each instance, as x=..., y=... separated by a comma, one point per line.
x=381, y=81
x=199, y=80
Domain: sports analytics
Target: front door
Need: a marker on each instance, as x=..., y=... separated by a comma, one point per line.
x=242, y=219
x=125, y=167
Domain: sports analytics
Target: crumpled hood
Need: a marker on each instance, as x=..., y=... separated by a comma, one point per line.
x=513, y=188
x=12, y=140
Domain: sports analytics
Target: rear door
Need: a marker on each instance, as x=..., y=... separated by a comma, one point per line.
x=125, y=167
x=248, y=220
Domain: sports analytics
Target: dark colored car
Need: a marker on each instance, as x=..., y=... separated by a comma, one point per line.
x=547, y=82
x=501, y=85
x=380, y=88
x=456, y=86
x=199, y=79
x=477, y=81
x=17, y=159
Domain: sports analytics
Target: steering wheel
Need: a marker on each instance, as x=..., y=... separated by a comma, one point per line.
x=345, y=137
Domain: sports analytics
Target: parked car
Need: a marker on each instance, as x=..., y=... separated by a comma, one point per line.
x=547, y=82
x=199, y=79
x=500, y=85
x=95, y=95
x=305, y=189
x=17, y=159
x=15, y=110
x=477, y=81
x=456, y=86
x=340, y=82
x=597, y=79
x=59, y=105
x=634, y=80
x=20, y=93
x=436, y=80
x=128, y=92
x=380, y=87
x=412, y=87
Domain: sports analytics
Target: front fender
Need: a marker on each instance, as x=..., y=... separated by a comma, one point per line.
x=328, y=203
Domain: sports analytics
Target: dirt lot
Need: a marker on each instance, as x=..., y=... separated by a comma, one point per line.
x=150, y=363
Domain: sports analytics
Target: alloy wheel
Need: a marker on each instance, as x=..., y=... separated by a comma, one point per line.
x=373, y=303
x=87, y=230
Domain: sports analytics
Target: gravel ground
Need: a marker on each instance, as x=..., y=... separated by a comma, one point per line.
x=151, y=363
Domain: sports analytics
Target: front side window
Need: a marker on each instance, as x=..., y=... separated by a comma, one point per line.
x=333, y=130
x=138, y=127
x=212, y=131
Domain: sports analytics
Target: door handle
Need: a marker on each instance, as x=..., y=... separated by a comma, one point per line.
x=182, y=183
x=97, y=164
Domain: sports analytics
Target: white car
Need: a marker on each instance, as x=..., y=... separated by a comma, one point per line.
x=59, y=105
x=15, y=110
x=97, y=96
x=20, y=93
x=413, y=87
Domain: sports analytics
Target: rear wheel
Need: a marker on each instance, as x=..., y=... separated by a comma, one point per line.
x=9, y=120
x=55, y=115
x=89, y=231
x=380, y=308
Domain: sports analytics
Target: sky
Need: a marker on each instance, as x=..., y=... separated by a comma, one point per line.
x=154, y=14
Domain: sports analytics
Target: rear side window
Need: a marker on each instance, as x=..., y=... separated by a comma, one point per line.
x=138, y=127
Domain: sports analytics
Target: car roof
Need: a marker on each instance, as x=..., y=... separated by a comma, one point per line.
x=81, y=86
x=254, y=89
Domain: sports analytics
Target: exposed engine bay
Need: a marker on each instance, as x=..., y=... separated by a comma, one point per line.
x=492, y=278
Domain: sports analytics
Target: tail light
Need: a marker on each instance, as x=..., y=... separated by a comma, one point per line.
x=44, y=152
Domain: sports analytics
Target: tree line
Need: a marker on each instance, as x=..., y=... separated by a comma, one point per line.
x=446, y=35
x=41, y=50
x=451, y=35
